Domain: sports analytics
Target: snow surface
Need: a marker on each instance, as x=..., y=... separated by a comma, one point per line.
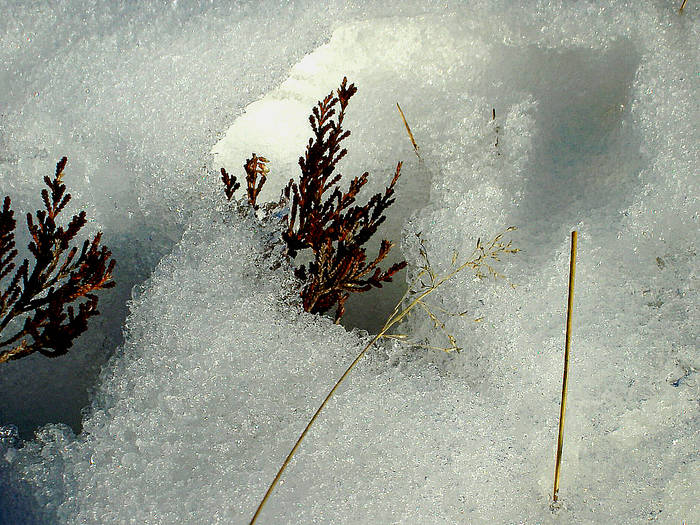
x=218, y=370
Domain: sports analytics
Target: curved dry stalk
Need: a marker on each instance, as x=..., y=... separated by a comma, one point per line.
x=400, y=312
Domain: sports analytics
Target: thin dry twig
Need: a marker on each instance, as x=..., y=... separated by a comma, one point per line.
x=408, y=130
x=415, y=295
x=567, y=347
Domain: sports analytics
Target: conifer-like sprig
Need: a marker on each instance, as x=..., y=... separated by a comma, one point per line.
x=255, y=167
x=256, y=171
x=327, y=221
x=231, y=184
x=53, y=283
x=324, y=219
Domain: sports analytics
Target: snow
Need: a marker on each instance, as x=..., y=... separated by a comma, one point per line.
x=217, y=369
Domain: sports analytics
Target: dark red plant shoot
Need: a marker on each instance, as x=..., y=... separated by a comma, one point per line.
x=54, y=282
x=325, y=219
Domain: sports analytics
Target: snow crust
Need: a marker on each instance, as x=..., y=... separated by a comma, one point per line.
x=219, y=369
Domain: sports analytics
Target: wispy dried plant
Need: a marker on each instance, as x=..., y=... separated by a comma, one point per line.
x=54, y=282
x=423, y=285
x=329, y=226
x=481, y=263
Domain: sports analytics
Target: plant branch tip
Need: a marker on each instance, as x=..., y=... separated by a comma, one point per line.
x=51, y=286
x=321, y=218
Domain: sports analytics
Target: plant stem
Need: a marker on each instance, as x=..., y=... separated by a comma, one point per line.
x=308, y=426
x=396, y=317
x=408, y=130
x=569, y=311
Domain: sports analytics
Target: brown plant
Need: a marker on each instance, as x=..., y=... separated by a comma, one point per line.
x=52, y=284
x=254, y=167
x=323, y=218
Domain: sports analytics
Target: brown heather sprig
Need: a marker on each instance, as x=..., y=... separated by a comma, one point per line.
x=230, y=184
x=254, y=167
x=323, y=218
x=53, y=284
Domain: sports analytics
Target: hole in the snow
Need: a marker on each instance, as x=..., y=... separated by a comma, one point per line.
x=586, y=156
x=370, y=310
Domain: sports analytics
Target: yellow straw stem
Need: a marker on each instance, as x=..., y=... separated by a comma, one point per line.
x=408, y=129
x=308, y=426
x=569, y=311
